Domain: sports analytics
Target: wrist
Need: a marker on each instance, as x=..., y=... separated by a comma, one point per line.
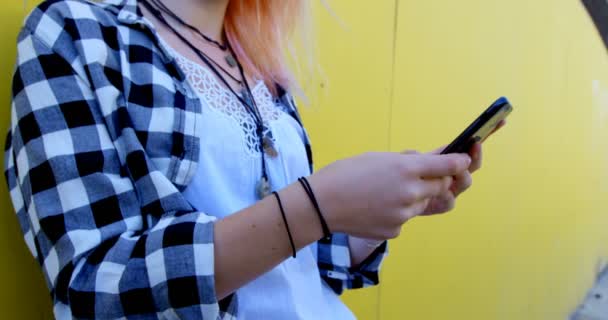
x=313, y=199
x=328, y=202
x=300, y=214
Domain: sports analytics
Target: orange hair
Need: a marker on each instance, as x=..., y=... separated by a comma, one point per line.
x=260, y=31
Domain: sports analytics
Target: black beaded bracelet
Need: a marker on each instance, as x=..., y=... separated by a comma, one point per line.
x=313, y=199
x=293, y=246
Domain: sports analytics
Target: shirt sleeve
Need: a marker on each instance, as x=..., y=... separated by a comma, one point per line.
x=82, y=212
x=334, y=261
x=333, y=254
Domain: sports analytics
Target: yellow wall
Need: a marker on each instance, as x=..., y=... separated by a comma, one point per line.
x=526, y=241
x=24, y=294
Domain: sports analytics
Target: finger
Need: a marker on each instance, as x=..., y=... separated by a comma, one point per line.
x=419, y=207
x=422, y=190
x=476, y=154
x=449, y=202
x=413, y=210
x=429, y=188
x=461, y=183
x=410, y=152
x=501, y=124
x=437, y=166
x=440, y=204
x=447, y=182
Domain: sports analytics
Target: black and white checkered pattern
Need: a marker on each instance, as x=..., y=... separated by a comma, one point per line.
x=102, y=141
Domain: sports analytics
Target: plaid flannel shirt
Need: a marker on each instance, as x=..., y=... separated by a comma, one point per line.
x=102, y=142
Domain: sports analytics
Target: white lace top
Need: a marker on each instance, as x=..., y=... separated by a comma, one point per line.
x=230, y=167
x=223, y=101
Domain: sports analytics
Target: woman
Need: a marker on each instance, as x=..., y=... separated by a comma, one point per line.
x=146, y=139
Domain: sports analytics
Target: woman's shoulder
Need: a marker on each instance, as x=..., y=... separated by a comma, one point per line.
x=70, y=20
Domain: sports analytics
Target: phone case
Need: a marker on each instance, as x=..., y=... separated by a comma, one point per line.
x=481, y=128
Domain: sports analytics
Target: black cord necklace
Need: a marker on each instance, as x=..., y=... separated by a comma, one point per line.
x=246, y=98
x=217, y=64
x=229, y=57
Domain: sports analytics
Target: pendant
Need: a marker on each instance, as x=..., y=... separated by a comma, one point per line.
x=230, y=60
x=263, y=188
x=268, y=146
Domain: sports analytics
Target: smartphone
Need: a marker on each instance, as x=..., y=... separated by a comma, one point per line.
x=481, y=128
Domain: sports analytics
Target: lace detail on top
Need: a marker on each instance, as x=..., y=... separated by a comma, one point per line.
x=222, y=100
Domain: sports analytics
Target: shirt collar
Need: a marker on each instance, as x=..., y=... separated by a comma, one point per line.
x=128, y=12
x=125, y=10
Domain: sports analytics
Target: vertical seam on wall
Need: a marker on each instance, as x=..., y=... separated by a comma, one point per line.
x=390, y=117
x=392, y=81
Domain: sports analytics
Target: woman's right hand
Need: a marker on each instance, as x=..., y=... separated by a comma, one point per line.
x=372, y=195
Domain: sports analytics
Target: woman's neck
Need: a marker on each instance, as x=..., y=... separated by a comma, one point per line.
x=205, y=15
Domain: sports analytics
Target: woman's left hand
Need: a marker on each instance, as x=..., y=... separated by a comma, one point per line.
x=460, y=183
